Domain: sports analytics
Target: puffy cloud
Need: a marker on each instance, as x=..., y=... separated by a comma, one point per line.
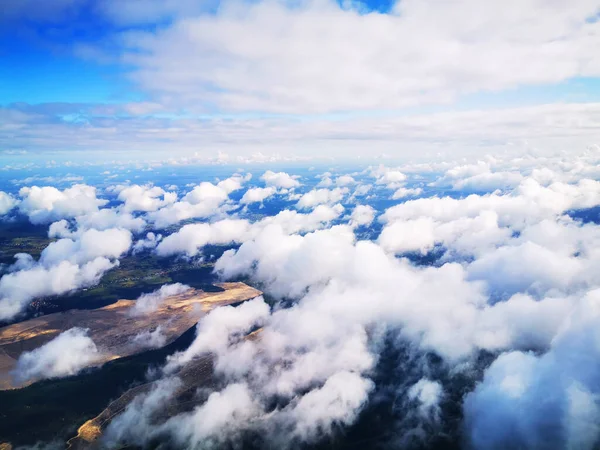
x=64, y=265
x=234, y=183
x=150, y=339
x=466, y=236
x=213, y=423
x=280, y=180
x=149, y=302
x=337, y=402
x=65, y=355
x=479, y=177
x=149, y=242
x=516, y=284
x=321, y=196
x=550, y=400
x=110, y=218
x=362, y=190
x=481, y=220
x=214, y=331
x=391, y=178
x=47, y=204
x=192, y=237
x=362, y=215
x=89, y=245
x=134, y=424
x=7, y=203
x=428, y=394
x=101, y=220
x=202, y=201
x=406, y=192
x=344, y=180
x=145, y=198
x=256, y=195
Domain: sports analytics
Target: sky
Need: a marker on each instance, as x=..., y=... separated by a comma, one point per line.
x=86, y=80
x=417, y=177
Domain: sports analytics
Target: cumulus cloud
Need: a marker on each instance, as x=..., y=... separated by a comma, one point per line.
x=217, y=420
x=489, y=297
x=191, y=238
x=320, y=197
x=47, y=204
x=479, y=177
x=150, y=339
x=7, y=203
x=551, y=400
x=149, y=242
x=64, y=265
x=65, y=355
x=344, y=180
x=362, y=215
x=406, y=192
x=479, y=222
x=391, y=178
x=280, y=179
x=428, y=395
x=204, y=200
x=145, y=198
x=214, y=332
x=101, y=220
x=256, y=195
x=150, y=302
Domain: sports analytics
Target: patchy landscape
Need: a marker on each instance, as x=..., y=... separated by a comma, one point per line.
x=117, y=330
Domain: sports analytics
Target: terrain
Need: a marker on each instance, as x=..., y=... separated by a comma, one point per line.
x=114, y=328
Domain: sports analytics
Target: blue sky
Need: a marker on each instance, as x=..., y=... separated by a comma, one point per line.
x=299, y=70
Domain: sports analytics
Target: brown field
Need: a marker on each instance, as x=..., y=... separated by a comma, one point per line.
x=113, y=327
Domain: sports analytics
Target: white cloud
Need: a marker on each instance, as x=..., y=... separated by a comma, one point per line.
x=256, y=195
x=204, y=200
x=192, y=237
x=217, y=420
x=7, y=203
x=448, y=49
x=389, y=177
x=110, y=218
x=149, y=242
x=149, y=302
x=65, y=355
x=479, y=177
x=337, y=402
x=214, y=331
x=517, y=283
x=406, y=192
x=504, y=409
x=47, y=204
x=517, y=131
x=362, y=215
x=145, y=198
x=428, y=394
x=344, y=180
x=280, y=180
x=64, y=266
x=320, y=197
x=150, y=339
